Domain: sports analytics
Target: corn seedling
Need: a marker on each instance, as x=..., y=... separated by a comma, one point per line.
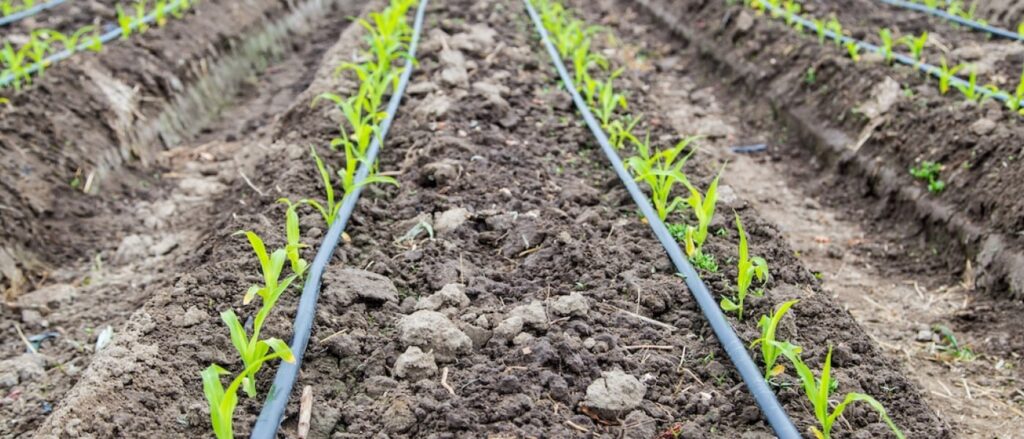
x=836, y=27
x=853, y=50
x=608, y=100
x=769, y=326
x=14, y=64
x=886, y=49
x=328, y=209
x=818, y=391
x=819, y=29
x=293, y=245
x=252, y=349
x=946, y=74
x=223, y=401
x=1013, y=101
x=793, y=9
x=703, y=207
x=970, y=90
x=621, y=130
x=950, y=347
x=748, y=268
x=661, y=170
x=8, y=7
x=929, y=172
x=915, y=44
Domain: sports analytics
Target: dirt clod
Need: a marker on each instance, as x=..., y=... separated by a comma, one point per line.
x=614, y=394
x=573, y=305
x=433, y=331
x=415, y=364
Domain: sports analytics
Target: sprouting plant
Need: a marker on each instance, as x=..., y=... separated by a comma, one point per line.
x=293, y=245
x=818, y=391
x=329, y=209
x=252, y=349
x=748, y=268
x=970, y=89
x=853, y=49
x=946, y=75
x=703, y=207
x=608, y=100
x=769, y=326
x=1013, y=101
x=621, y=130
x=223, y=401
x=929, y=171
x=811, y=76
x=951, y=346
x=886, y=49
x=836, y=27
x=14, y=64
x=660, y=170
x=915, y=44
x=819, y=29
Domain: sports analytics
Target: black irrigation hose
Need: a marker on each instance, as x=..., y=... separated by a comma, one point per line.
x=956, y=19
x=21, y=15
x=735, y=348
x=277, y=399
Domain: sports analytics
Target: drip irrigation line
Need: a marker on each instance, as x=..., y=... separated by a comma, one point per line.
x=898, y=57
x=956, y=19
x=277, y=398
x=736, y=349
x=107, y=37
x=25, y=13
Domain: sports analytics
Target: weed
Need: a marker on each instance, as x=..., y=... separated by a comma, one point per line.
x=811, y=76
x=769, y=326
x=748, y=269
x=818, y=391
x=929, y=171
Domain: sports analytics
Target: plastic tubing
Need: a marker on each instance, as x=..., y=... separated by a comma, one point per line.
x=735, y=348
x=277, y=399
x=107, y=37
x=898, y=57
x=956, y=19
x=23, y=14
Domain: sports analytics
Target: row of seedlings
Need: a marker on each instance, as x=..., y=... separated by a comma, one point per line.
x=19, y=62
x=387, y=34
x=791, y=12
x=926, y=171
x=661, y=168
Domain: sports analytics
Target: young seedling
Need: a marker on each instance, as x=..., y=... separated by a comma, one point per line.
x=748, y=269
x=915, y=44
x=946, y=75
x=818, y=391
x=853, y=49
x=769, y=326
x=951, y=347
x=293, y=246
x=661, y=170
x=621, y=130
x=703, y=207
x=929, y=171
x=609, y=100
x=886, y=49
x=1013, y=102
x=223, y=401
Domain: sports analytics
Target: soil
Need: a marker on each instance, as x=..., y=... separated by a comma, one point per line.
x=539, y=305
x=65, y=18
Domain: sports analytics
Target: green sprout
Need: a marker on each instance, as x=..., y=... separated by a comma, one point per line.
x=818, y=391
x=748, y=269
x=915, y=44
x=970, y=90
x=946, y=74
x=853, y=50
x=951, y=346
x=293, y=246
x=769, y=326
x=661, y=170
x=608, y=100
x=886, y=49
x=929, y=171
x=703, y=207
x=223, y=401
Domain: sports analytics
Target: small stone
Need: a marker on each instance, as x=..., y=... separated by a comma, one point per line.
x=744, y=22
x=345, y=286
x=573, y=305
x=483, y=322
x=433, y=331
x=533, y=315
x=415, y=365
x=924, y=335
x=983, y=127
x=614, y=394
x=509, y=328
x=522, y=339
x=191, y=317
x=450, y=220
x=31, y=317
x=450, y=295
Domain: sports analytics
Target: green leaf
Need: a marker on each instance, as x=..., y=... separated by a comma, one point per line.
x=729, y=305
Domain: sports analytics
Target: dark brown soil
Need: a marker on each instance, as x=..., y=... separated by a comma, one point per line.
x=65, y=18
x=543, y=217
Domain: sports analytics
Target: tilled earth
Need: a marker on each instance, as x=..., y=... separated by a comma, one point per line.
x=506, y=288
